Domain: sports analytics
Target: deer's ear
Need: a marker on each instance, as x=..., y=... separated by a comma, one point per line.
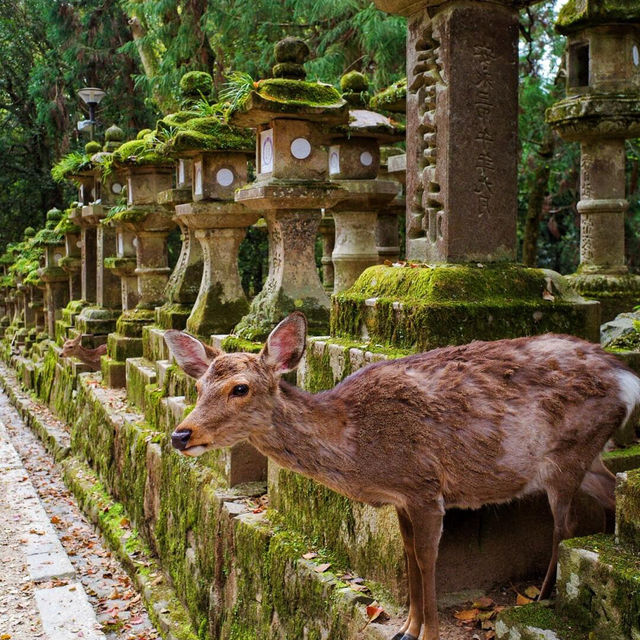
x=286, y=344
x=190, y=353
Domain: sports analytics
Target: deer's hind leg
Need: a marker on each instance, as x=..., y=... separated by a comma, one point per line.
x=560, y=498
x=411, y=628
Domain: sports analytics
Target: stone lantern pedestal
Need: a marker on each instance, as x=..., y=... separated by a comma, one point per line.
x=183, y=285
x=100, y=319
x=387, y=233
x=600, y=111
x=145, y=226
x=291, y=189
x=71, y=263
x=354, y=163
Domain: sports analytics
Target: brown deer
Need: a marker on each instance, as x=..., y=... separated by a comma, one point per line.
x=90, y=357
x=462, y=426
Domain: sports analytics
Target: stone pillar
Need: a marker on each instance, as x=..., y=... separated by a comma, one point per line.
x=327, y=231
x=462, y=109
x=354, y=161
x=291, y=188
x=600, y=111
x=387, y=231
x=182, y=288
x=100, y=318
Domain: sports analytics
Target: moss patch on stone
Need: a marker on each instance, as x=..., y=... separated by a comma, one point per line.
x=208, y=134
x=529, y=620
x=429, y=306
x=393, y=98
x=576, y=14
x=298, y=92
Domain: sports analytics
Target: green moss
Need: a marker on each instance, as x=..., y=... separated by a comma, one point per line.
x=209, y=134
x=65, y=225
x=196, y=84
x=232, y=344
x=92, y=147
x=424, y=307
x=215, y=314
x=540, y=616
x=48, y=236
x=298, y=92
x=115, y=262
x=578, y=14
x=130, y=214
x=393, y=98
x=70, y=165
x=139, y=152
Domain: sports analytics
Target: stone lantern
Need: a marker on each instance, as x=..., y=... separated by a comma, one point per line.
x=601, y=110
x=218, y=153
x=100, y=319
x=55, y=279
x=143, y=225
x=292, y=187
x=354, y=163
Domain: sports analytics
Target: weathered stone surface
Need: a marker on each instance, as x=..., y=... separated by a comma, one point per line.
x=461, y=161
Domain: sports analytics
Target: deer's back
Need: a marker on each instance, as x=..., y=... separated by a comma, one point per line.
x=483, y=422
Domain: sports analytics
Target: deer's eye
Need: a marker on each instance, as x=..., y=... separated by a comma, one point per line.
x=240, y=390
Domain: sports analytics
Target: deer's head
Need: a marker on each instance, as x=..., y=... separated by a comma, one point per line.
x=236, y=391
x=69, y=347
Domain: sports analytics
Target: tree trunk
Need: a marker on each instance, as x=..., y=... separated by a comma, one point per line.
x=536, y=201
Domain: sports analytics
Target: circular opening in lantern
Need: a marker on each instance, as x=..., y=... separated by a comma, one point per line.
x=116, y=187
x=636, y=55
x=366, y=159
x=300, y=148
x=225, y=177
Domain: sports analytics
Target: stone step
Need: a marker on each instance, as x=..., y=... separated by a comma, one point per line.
x=140, y=373
x=536, y=621
x=622, y=459
x=628, y=508
x=154, y=346
x=598, y=586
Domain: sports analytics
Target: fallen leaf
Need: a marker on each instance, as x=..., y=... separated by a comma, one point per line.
x=483, y=603
x=5, y=636
x=532, y=592
x=375, y=612
x=310, y=556
x=468, y=615
x=522, y=600
x=321, y=568
x=55, y=520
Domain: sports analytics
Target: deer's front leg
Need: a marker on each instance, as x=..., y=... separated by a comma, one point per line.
x=411, y=628
x=427, y=529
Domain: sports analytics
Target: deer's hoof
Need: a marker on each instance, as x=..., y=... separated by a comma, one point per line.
x=398, y=636
x=408, y=636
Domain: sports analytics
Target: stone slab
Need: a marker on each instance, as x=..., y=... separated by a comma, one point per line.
x=66, y=614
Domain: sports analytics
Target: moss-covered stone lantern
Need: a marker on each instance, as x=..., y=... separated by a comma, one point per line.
x=292, y=117
x=219, y=154
x=601, y=110
x=354, y=163
x=144, y=225
x=55, y=279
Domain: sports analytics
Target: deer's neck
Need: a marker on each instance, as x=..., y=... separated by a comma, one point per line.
x=310, y=434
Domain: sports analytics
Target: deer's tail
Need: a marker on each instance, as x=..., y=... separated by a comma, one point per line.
x=600, y=483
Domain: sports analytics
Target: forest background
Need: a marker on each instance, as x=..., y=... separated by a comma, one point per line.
x=137, y=50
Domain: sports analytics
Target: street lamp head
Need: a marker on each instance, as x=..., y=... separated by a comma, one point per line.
x=91, y=95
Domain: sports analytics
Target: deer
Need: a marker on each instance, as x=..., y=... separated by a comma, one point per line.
x=90, y=357
x=458, y=426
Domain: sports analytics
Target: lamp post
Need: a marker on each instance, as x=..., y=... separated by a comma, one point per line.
x=91, y=96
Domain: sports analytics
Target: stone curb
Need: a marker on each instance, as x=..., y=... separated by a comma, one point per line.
x=56, y=440
x=166, y=611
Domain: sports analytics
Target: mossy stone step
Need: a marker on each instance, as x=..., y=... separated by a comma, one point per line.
x=628, y=508
x=623, y=459
x=599, y=586
x=140, y=373
x=153, y=345
x=536, y=621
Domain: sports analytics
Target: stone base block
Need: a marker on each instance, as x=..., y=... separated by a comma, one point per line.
x=113, y=373
x=140, y=373
x=121, y=347
x=426, y=307
x=154, y=346
x=73, y=309
x=536, y=621
x=623, y=459
x=598, y=587
x=172, y=316
x=131, y=323
x=96, y=320
x=628, y=510
x=478, y=548
x=615, y=293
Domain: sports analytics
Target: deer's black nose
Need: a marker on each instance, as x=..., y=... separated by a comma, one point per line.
x=179, y=439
